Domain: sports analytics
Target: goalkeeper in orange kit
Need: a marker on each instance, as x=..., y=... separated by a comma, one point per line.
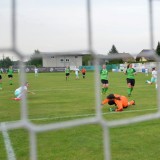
x=119, y=101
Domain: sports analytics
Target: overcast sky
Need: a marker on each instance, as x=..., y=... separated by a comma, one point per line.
x=61, y=25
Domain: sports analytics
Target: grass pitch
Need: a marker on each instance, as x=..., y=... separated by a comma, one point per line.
x=58, y=100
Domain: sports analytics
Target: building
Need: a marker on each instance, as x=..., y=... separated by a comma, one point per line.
x=62, y=60
x=119, y=58
x=146, y=55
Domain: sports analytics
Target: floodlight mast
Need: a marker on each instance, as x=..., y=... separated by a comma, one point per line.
x=89, y=25
x=151, y=24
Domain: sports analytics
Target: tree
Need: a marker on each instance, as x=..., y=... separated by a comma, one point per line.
x=113, y=50
x=6, y=62
x=87, y=60
x=158, y=49
x=36, y=59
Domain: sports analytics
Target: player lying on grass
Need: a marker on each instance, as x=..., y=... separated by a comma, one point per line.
x=20, y=91
x=119, y=101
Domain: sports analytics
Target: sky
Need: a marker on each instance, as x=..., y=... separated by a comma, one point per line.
x=61, y=25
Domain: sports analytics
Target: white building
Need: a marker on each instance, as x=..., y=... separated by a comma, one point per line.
x=62, y=60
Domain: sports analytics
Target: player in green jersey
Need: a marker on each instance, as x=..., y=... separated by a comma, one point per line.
x=130, y=72
x=10, y=74
x=104, y=79
x=67, y=72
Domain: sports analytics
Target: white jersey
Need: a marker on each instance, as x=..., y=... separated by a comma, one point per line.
x=76, y=71
x=36, y=70
x=146, y=70
x=21, y=89
x=154, y=74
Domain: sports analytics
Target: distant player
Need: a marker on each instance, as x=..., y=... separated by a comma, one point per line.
x=146, y=71
x=130, y=72
x=121, y=102
x=20, y=91
x=153, y=78
x=1, y=71
x=36, y=71
x=83, y=71
x=67, y=72
x=77, y=72
x=104, y=79
x=10, y=74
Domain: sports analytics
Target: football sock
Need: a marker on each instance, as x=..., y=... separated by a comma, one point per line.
x=149, y=82
x=129, y=91
x=10, y=82
x=105, y=90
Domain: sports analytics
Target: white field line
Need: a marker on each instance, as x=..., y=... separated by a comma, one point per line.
x=9, y=149
x=87, y=115
x=83, y=115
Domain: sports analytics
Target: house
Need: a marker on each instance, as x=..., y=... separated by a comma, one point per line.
x=126, y=57
x=122, y=57
x=146, y=55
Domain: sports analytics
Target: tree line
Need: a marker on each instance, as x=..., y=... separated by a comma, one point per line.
x=36, y=59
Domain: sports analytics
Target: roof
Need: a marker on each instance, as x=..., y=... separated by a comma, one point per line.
x=126, y=57
x=148, y=54
x=69, y=53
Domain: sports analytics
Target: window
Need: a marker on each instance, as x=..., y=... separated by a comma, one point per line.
x=67, y=60
x=61, y=60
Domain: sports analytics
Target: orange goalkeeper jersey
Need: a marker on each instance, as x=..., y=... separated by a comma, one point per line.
x=120, y=101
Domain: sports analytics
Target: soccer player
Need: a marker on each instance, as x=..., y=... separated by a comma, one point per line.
x=130, y=72
x=1, y=71
x=67, y=72
x=10, y=74
x=36, y=71
x=77, y=73
x=153, y=78
x=146, y=71
x=104, y=79
x=83, y=72
x=20, y=91
x=121, y=102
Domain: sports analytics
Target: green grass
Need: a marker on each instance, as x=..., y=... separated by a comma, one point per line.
x=58, y=100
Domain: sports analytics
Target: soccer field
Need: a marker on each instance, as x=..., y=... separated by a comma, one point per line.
x=58, y=100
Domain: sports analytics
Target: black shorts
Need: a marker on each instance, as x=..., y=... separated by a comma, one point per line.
x=0, y=77
x=10, y=76
x=84, y=74
x=104, y=81
x=131, y=81
x=67, y=74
